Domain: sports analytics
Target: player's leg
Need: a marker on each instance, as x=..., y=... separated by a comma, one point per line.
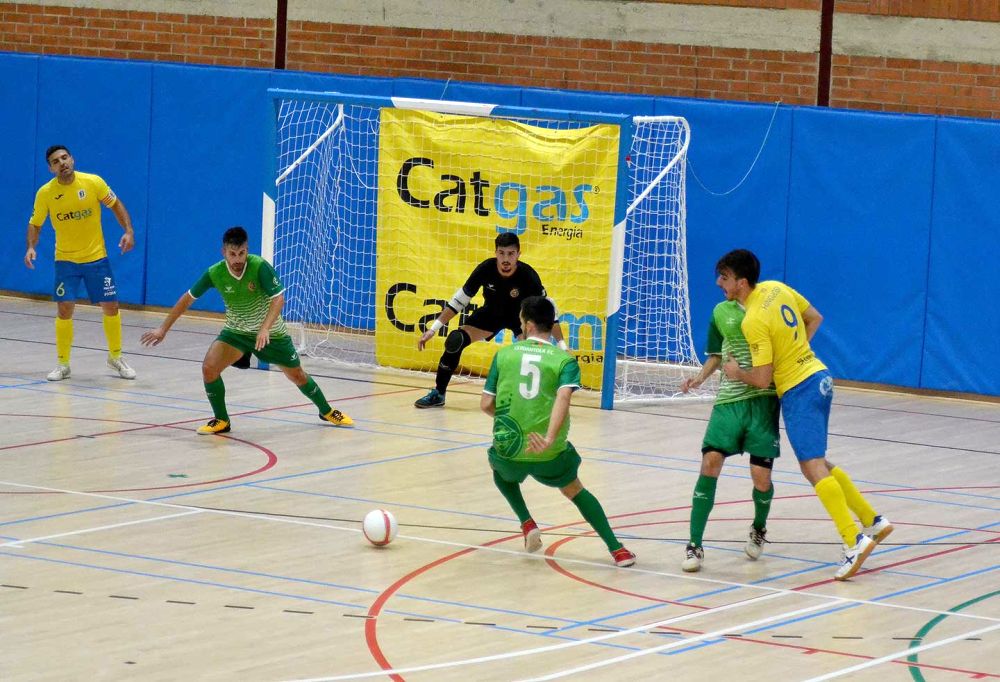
x=221, y=354
x=507, y=477
x=876, y=526
x=67, y=282
x=454, y=344
x=281, y=352
x=101, y=288
x=807, y=410
x=562, y=472
x=761, y=441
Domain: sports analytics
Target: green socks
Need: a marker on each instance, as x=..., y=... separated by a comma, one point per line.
x=216, y=392
x=311, y=390
x=761, y=507
x=702, y=502
x=512, y=493
x=593, y=513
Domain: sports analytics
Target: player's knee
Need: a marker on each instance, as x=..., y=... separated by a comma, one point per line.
x=457, y=341
x=209, y=372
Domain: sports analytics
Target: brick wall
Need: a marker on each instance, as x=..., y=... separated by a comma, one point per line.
x=867, y=72
x=123, y=34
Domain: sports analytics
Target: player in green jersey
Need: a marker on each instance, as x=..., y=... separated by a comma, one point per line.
x=744, y=419
x=253, y=296
x=527, y=392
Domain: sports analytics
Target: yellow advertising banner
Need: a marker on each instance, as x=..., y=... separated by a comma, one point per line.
x=449, y=184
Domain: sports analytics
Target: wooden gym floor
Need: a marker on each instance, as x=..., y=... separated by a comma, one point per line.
x=131, y=548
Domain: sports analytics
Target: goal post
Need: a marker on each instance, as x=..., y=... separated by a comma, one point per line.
x=376, y=209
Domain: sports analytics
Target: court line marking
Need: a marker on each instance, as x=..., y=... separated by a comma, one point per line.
x=773, y=591
x=899, y=654
x=94, y=529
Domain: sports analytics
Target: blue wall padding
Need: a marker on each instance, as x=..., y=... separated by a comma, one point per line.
x=887, y=223
x=724, y=214
x=858, y=236
x=209, y=147
x=19, y=154
x=962, y=340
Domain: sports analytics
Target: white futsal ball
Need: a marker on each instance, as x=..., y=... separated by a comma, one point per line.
x=379, y=527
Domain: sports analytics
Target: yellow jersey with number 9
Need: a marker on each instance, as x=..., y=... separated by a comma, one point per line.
x=774, y=329
x=75, y=212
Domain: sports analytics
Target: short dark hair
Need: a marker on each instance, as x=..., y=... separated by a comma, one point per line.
x=54, y=148
x=742, y=263
x=235, y=236
x=540, y=311
x=505, y=239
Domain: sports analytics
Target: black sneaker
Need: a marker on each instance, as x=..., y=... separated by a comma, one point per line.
x=432, y=399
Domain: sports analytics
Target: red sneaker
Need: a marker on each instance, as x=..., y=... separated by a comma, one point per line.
x=623, y=558
x=532, y=536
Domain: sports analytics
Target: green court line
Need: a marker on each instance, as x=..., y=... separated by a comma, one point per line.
x=918, y=638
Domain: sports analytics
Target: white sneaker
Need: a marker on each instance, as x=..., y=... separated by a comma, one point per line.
x=59, y=373
x=693, y=557
x=854, y=557
x=119, y=365
x=755, y=543
x=880, y=529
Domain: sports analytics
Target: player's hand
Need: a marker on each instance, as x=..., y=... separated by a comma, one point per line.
x=263, y=338
x=537, y=443
x=29, y=258
x=153, y=337
x=732, y=368
x=126, y=242
x=689, y=383
x=424, y=338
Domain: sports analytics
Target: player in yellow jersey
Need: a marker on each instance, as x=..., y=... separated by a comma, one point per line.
x=778, y=325
x=72, y=201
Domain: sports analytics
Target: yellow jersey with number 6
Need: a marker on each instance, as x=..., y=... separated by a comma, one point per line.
x=774, y=329
x=75, y=212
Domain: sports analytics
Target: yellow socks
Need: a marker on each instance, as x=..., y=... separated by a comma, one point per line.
x=835, y=502
x=64, y=339
x=113, y=332
x=858, y=504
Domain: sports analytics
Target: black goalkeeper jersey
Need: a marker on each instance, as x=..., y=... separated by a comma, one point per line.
x=503, y=295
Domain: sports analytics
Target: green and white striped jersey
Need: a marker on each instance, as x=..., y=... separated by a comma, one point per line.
x=725, y=338
x=247, y=297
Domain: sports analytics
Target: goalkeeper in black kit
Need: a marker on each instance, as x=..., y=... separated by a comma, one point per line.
x=505, y=281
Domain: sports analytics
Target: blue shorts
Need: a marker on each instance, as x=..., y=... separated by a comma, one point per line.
x=806, y=409
x=95, y=275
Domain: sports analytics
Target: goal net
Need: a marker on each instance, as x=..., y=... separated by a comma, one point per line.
x=382, y=209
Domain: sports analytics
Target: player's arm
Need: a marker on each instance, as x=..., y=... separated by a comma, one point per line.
x=761, y=373
x=455, y=305
x=155, y=337
x=712, y=363
x=812, y=319
x=32, y=239
x=759, y=376
x=273, y=310
x=560, y=409
x=488, y=399
x=125, y=220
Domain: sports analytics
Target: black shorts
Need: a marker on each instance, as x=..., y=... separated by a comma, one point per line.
x=493, y=320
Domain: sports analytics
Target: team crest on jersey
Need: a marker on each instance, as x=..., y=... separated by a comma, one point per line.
x=251, y=286
x=514, y=292
x=82, y=193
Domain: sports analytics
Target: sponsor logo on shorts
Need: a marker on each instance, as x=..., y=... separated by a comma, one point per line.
x=109, y=287
x=826, y=386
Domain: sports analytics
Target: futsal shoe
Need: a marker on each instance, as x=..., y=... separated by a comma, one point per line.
x=337, y=418
x=119, y=365
x=432, y=399
x=623, y=558
x=755, y=543
x=532, y=536
x=243, y=362
x=693, y=556
x=854, y=557
x=214, y=426
x=880, y=529
x=59, y=373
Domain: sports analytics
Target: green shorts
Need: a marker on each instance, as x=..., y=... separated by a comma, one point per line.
x=749, y=425
x=557, y=472
x=279, y=351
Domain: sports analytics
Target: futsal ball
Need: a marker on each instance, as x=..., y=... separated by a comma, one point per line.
x=379, y=527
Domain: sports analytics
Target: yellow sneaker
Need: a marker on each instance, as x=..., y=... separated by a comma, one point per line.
x=337, y=418
x=214, y=426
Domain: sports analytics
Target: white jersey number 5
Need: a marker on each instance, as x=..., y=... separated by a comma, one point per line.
x=531, y=376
